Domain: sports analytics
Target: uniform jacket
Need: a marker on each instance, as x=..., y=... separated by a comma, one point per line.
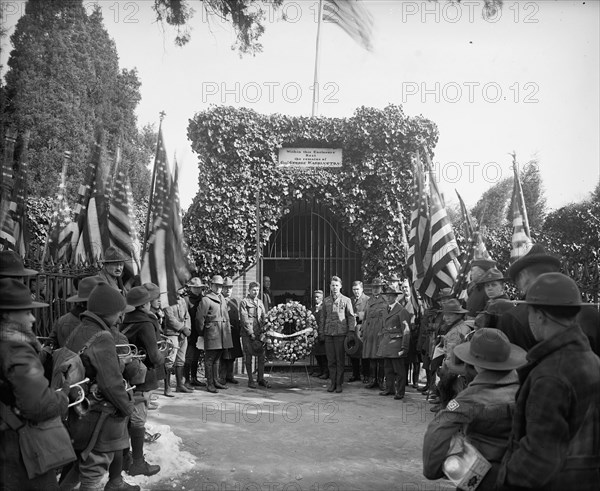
x=555, y=440
x=102, y=366
x=515, y=325
x=373, y=324
x=395, y=335
x=177, y=318
x=476, y=299
x=24, y=388
x=235, y=323
x=116, y=283
x=64, y=325
x=319, y=346
x=212, y=322
x=485, y=409
x=337, y=316
x=140, y=330
x=359, y=305
x=252, y=316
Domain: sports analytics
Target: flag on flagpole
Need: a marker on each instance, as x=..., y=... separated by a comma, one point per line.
x=164, y=262
x=403, y=233
x=13, y=233
x=93, y=218
x=121, y=225
x=443, y=270
x=419, y=252
x=521, y=239
x=6, y=177
x=161, y=187
x=352, y=17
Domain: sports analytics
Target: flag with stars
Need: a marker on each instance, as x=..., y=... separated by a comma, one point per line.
x=162, y=183
x=121, y=225
x=521, y=239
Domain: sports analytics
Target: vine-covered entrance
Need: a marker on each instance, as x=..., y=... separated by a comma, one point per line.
x=307, y=249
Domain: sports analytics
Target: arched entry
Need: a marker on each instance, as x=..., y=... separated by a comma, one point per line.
x=308, y=247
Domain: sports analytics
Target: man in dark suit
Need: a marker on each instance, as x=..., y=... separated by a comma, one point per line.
x=359, y=303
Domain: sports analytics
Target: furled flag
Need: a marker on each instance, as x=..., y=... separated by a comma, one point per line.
x=61, y=230
x=443, y=270
x=164, y=262
x=6, y=177
x=521, y=239
x=162, y=180
x=13, y=234
x=353, y=17
x=121, y=224
x=93, y=218
x=419, y=250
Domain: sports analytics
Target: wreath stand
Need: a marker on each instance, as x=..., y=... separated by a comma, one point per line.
x=291, y=365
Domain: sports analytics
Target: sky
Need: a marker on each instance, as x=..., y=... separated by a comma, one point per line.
x=526, y=81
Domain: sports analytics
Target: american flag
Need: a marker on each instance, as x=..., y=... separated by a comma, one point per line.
x=419, y=251
x=164, y=261
x=162, y=184
x=353, y=17
x=444, y=266
x=6, y=178
x=121, y=225
x=92, y=220
x=521, y=239
x=61, y=229
x=13, y=227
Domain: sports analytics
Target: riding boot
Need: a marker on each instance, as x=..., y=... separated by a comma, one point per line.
x=187, y=370
x=210, y=383
x=167, y=391
x=251, y=382
x=216, y=375
x=179, y=379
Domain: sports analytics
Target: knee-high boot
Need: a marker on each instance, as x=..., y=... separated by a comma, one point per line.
x=251, y=382
x=210, y=382
x=179, y=379
x=217, y=375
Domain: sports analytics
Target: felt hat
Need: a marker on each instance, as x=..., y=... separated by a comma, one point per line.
x=153, y=289
x=378, y=282
x=216, y=280
x=11, y=264
x=138, y=295
x=196, y=282
x=554, y=289
x=483, y=263
x=353, y=346
x=453, y=306
x=227, y=281
x=106, y=300
x=113, y=255
x=391, y=290
x=318, y=291
x=14, y=295
x=492, y=274
x=536, y=255
x=490, y=349
x=85, y=287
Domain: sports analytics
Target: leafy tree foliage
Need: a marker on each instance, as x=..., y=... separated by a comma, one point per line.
x=63, y=82
x=237, y=151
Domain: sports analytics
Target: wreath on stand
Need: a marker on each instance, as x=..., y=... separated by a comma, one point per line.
x=289, y=332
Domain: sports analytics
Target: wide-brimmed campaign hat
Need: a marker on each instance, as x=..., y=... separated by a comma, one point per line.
x=14, y=295
x=216, y=280
x=453, y=306
x=227, y=281
x=492, y=274
x=554, y=289
x=378, y=282
x=353, y=346
x=113, y=255
x=138, y=295
x=85, y=287
x=153, y=290
x=536, y=255
x=196, y=282
x=490, y=349
x=392, y=290
x=11, y=265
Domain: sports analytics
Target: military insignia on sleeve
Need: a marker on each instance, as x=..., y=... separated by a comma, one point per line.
x=452, y=405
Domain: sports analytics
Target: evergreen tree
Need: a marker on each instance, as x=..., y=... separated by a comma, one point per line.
x=63, y=82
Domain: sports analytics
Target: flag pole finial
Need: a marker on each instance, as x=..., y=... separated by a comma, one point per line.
x=162, y=115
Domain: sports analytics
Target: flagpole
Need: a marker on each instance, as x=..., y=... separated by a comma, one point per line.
x=315, y=101
x=161, y=115
x=59, y=197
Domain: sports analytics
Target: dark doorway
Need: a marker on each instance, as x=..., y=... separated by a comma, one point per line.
x=307, y=249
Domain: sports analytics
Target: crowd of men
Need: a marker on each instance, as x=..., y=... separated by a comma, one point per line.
x=539, y=428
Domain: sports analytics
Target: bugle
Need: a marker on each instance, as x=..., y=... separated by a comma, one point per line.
x=127, y=351
x=81, y=405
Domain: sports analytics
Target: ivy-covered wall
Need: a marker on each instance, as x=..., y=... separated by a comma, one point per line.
x=237, y=152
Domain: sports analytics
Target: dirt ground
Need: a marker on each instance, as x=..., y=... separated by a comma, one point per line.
x=296, y=437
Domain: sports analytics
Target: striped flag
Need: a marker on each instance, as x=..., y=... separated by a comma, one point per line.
x=352, y=17
x=13, y=227
x=164, y=262
x=121, y=225
x=60, y=231
x=92, y=220
x=162, y=183
x=443, y=270
x=419, y=252
x=521, y=239
x=6, y=177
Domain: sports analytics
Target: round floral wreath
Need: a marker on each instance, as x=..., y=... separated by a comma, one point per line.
x=289, y=332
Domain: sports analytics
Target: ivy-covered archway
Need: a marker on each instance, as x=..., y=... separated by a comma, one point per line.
x=237, y=151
